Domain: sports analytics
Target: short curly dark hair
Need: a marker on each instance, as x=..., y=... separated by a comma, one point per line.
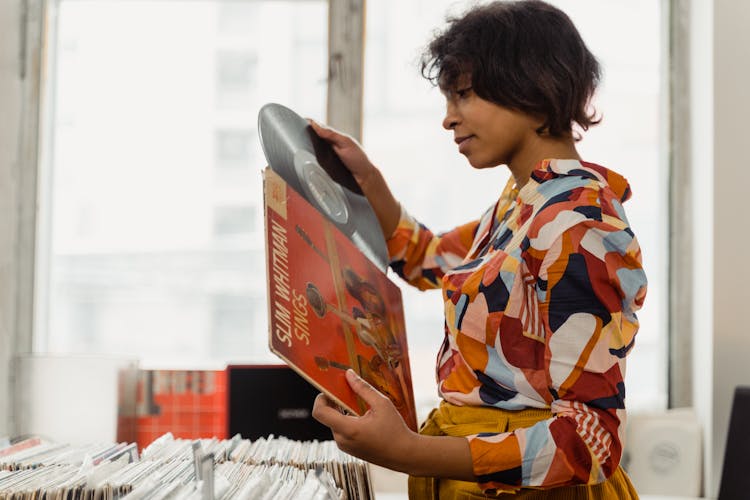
x=523, y=55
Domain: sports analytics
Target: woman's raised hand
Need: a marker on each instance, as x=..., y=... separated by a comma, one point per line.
x=369, y=178
x=350, y=152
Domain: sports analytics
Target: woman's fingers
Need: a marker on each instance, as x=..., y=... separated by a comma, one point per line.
x=363, y=389
x=327, y=133
x=318, y=128
x=343, y=427
x=326, y=412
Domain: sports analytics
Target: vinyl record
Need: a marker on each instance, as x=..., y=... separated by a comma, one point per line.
x=310, y=166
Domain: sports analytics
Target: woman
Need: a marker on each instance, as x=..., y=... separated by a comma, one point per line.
x=540, y=293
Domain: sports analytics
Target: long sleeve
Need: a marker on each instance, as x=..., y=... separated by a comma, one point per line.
x=421, y=257
x=586, y=277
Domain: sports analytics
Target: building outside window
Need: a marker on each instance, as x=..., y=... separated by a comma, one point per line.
x=155, y=245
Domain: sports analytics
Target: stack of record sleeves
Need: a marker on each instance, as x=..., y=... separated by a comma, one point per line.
x=181, y=469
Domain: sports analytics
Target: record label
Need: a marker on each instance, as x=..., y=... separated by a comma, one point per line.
x=326, y=194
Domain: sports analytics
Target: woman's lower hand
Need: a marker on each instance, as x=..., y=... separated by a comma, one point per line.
x=380, y=436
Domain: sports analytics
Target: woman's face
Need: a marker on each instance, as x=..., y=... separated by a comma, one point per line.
x=486, y=133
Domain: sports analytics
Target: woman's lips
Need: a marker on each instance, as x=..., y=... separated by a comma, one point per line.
x=463, y=142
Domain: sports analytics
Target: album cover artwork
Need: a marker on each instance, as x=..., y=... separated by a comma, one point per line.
x=330, y=307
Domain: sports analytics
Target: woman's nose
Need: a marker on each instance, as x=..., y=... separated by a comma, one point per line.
x=451, y=119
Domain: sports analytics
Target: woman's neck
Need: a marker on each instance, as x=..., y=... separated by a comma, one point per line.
x=538, y=148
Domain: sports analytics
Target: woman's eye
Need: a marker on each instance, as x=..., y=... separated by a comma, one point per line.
x=463, y=92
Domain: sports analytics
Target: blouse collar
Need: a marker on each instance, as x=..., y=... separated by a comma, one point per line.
x=553, y=168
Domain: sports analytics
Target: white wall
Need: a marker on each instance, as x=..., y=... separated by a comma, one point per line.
x=720, y=106
x=71, y=399
x=731, y=238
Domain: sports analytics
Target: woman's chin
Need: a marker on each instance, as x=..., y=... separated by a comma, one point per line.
x=478, y=164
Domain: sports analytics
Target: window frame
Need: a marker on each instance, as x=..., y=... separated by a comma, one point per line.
x=681, y=329
x=25, y=20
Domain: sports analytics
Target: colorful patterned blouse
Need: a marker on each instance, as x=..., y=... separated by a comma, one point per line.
x=540, y=298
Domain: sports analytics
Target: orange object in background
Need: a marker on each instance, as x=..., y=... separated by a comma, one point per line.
x=190, y=404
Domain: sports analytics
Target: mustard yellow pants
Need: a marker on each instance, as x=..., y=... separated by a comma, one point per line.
x=451, y=420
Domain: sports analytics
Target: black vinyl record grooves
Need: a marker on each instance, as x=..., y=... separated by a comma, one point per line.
x=310, y=166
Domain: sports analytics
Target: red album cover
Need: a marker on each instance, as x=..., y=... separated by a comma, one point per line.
x=191, y=404
x=330, y=307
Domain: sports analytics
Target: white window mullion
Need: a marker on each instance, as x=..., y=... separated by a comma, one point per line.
x=346, y=65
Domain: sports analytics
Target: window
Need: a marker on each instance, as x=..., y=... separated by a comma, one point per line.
x=236, y=77
x=155, y=245
x=234, y=148
x=404, y=137
x=234, y=220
